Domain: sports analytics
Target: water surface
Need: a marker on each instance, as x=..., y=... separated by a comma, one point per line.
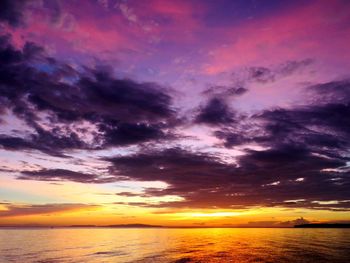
x=174, y=245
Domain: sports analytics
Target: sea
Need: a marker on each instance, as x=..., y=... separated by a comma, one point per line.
x=177, y=245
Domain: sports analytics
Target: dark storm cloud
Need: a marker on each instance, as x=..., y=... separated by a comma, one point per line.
x=14, y=143
x=224, y=91
x=125, y=98
x=11, y=11
x=293, y=66
x=122, y=111
x=214, y=112
x=217, y=111
x=303, y=162
x=273, y=73
x=271, y=177
x=65, y=175
x=131, y=133
x=321, y=125
x=261, y=74
x=331, y=92
x=49, y=142
x=127, y=194
x=43, y=209
x=15, y=12
x=53, y=8
x=171, y=165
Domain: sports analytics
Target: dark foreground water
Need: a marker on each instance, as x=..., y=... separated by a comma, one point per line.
x=174, y=245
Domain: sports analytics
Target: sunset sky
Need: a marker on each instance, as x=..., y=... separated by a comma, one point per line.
x=178, y=113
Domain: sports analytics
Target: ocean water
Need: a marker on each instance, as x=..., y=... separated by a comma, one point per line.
x=174, y=245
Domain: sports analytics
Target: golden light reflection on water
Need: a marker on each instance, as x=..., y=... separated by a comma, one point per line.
x=174, y=245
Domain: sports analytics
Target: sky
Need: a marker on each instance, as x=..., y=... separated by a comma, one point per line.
x=176, y=113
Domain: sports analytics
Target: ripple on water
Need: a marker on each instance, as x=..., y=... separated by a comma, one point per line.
x=175, y=246
x=183, y=260
x=109, y=253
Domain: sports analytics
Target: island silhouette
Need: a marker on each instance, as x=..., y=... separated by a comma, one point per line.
x=323, y=225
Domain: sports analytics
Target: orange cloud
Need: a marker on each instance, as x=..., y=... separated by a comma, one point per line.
x=15, y=210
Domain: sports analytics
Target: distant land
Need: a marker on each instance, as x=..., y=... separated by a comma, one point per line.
x=119, y=226
x=323, y=226
x=133, y=226
x=83, y=226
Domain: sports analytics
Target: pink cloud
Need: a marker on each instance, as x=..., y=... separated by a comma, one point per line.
x=308, y=31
